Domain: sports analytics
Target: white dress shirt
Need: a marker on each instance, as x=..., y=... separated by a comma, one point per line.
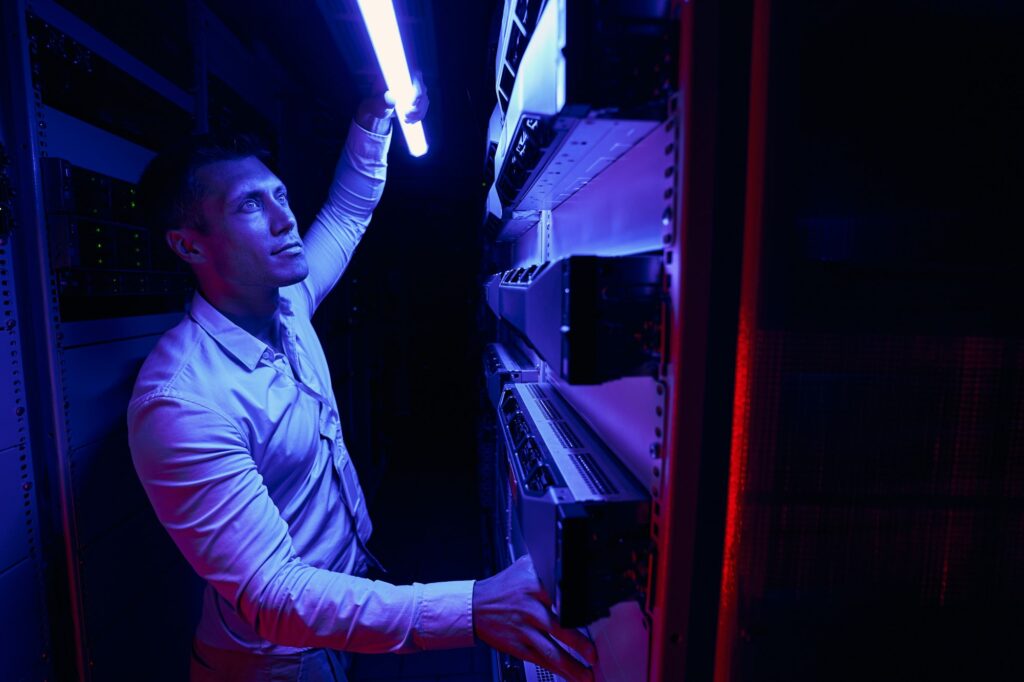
x=240, y=451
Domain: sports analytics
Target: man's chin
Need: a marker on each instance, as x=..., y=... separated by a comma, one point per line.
x=296, y=275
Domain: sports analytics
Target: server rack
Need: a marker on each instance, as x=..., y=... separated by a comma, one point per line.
x=666, y=186
x=92, y=93
x=26, y=645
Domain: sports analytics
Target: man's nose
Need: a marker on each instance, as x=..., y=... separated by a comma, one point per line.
x=281, y=219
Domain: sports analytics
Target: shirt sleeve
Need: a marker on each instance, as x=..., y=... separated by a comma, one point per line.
x=202, y=481
x=354, y=194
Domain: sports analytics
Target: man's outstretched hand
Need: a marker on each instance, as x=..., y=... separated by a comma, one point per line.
x=512, y=613
x=374, y=112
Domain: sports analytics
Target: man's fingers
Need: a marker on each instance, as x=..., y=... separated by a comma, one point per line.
x=577, y=641
x=419, y=109
x=546, y=621
x=542, y=596
x=549, y=654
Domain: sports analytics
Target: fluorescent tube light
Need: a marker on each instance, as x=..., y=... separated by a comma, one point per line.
x=379, y=17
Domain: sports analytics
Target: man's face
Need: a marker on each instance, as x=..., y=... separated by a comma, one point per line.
x=251, y=239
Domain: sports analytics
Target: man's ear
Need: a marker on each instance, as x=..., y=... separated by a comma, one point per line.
x=185, y=247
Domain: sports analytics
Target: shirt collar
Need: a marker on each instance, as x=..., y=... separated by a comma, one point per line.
x=237, y=342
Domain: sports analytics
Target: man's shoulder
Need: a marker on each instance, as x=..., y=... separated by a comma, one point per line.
x=185, y=361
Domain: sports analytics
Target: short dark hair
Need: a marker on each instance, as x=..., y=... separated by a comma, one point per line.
x=170, y=190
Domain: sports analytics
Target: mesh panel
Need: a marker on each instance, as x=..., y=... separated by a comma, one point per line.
x=566, y=436
x=883, y=493
x=595, y=478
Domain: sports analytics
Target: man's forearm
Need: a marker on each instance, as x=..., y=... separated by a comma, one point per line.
x=354, y=193
x=370, y=123
x=374, y=115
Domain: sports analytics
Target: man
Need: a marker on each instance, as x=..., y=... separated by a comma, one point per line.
x=235, y=435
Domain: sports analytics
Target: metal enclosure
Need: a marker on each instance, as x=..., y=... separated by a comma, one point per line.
x=667, y=186
x=85, y=295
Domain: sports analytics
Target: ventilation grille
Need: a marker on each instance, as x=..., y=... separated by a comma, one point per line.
x=565, y=435
x=545, y=675
x=548, y=408
x=596, y=479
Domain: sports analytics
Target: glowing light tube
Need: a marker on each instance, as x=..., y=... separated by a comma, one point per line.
x=379, y=17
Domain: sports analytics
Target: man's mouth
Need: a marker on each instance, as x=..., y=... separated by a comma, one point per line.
x=292, y=247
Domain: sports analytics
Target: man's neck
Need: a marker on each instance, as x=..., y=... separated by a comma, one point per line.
x=255, y=314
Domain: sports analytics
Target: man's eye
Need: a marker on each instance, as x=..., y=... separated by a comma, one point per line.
x=250, y=205
x=282, y=198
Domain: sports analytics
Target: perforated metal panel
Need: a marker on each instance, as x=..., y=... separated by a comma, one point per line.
x=24, y=635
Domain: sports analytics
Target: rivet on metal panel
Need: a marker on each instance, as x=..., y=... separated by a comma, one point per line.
x=655, y=450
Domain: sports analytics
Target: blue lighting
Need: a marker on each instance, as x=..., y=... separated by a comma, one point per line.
x=379, y=17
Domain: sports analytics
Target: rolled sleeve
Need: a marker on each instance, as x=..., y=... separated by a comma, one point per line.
x=365, y=147
x=445, y=618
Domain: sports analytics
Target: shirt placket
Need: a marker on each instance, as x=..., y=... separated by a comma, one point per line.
x=330, y=428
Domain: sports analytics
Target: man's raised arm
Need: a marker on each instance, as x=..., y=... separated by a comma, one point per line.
x=354, y=194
